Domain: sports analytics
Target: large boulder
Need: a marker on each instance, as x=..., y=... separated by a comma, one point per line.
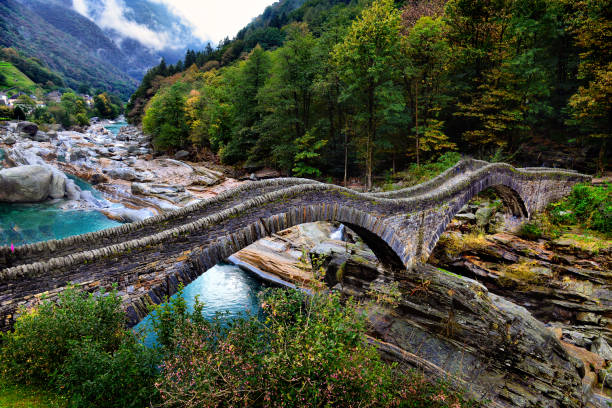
x=484, y=214
x=125, y=214
x=78, y=154
x=9, y=140
x=181, y=155
x=122, y=173
x=57, y=188
x=27, y=127
x=72, y=191
x=601, y=348
x=25, y=184
x=41, y=137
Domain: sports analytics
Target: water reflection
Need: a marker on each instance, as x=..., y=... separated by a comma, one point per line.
x=223, y=288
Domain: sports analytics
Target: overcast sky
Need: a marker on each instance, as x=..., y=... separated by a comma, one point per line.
x=217, y=19
x=212, y=20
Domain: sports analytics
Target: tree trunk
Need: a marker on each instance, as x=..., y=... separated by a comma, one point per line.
x=601, y=158
x=345, y=157
x=416, y=120
x=370, y=138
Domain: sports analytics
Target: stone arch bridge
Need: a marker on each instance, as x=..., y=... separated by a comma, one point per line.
x=148, y=259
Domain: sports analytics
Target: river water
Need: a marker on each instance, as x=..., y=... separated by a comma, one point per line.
x=223, y=289
x=28, y=223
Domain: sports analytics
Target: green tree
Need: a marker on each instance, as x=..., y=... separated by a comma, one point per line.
x=103, y=107
x=506, y=61
x=307, y=152
x=26, y=103
x=244, y=83
x=42, y=115
x=427, y=57
x=365, y=61
x=74, y=106
x=590, y=107
x=165, y=118
x=286, y=100
x=216, y=112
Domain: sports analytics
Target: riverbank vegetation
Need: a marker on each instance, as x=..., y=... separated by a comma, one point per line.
x=352, y=88
x=303, y=351
x=31, y=84
x=71, y=110
x=588, y=209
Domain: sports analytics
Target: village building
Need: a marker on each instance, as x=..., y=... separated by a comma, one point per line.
x=54, y=96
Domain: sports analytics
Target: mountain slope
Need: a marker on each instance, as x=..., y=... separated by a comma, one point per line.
x=28, y=32
x=138, y=26
x=135, y=62
x=14, y=78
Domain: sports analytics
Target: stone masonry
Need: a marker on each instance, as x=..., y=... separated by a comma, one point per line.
x=147, y=260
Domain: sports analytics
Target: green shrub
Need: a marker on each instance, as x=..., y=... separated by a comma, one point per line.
x=95, y=377
x=308, y=352
x=82, y=119
x=419, y=174
x=80, y=347
x=37, y=348
x=590, y=206
x=531, y=231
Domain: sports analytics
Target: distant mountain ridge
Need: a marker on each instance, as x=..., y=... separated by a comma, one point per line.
x=110, y=44
x=84, y=47
x=70, y=54
x=137, y=25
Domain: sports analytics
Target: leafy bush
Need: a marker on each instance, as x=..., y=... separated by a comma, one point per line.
x=590, y=206
x=419, y=174
x=80, y=346
x=531, y=231
x=40, y=342
x=309, y=352
x=97, y=378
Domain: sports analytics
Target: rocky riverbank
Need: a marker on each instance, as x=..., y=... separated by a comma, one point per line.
x=37, y=164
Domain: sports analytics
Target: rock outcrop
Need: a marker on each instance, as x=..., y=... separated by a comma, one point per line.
x=25, y=184
x=450, y=326
x=498, y=348
x=28, y=128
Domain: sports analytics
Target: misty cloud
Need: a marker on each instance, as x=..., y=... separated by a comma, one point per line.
x=214, y=19
x=111, y=14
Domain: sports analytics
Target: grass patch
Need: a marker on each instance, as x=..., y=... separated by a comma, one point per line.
x=530, y=231
x=15, y=78
x=520, y=275
x=24, y=396
x=450, y=273
x=419, y=174
x=455, y=244
x=588, y=242
x=588, y=206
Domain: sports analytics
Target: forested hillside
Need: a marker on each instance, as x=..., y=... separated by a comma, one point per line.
x=347, y=88
x=78, y=51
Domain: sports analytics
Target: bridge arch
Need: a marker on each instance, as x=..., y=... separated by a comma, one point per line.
x=375, y=231
x=380, y=237
x=505, y=187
